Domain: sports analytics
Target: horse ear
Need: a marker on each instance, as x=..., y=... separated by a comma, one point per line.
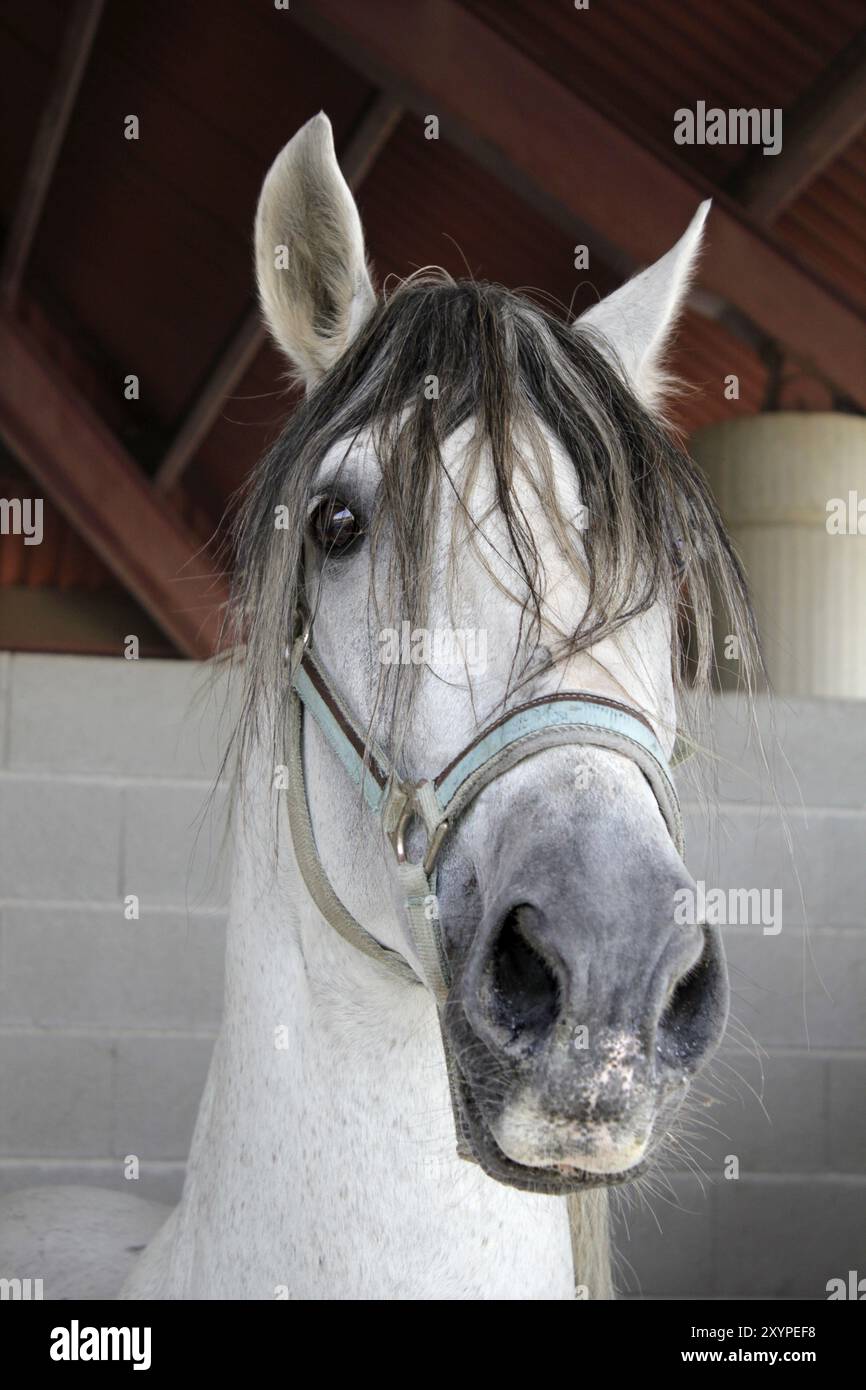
x=633, y=326
x=313, y=281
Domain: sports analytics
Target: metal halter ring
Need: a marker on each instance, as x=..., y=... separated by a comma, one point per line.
x=301, y=624
x=404, y=794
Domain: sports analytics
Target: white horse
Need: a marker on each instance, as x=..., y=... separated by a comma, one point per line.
x=473, y=521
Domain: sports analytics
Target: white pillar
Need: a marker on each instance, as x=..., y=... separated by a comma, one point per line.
x=785, y=482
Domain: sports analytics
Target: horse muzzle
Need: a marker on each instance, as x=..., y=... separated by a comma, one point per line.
x=579, y=1011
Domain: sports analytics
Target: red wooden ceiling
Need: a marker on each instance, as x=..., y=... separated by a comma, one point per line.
x=142, y=257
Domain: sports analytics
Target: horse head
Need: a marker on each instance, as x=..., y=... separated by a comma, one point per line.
x=478, y=507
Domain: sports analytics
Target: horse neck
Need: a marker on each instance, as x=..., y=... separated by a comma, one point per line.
x=324, y=1160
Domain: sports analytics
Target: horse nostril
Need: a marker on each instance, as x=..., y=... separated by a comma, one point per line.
x=522, y=991
x=689, y=1023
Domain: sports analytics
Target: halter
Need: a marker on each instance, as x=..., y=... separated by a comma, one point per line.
x=571, y=717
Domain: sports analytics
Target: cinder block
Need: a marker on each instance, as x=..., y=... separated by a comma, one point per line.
x=741, y=848
x=823, y=869
x=835, y=869
x=793, y=993
x=808, y=753
x=786, y=1237
x=177, y=851
x=109, y=715
x=91, y=968
x=59, y=839
x=771, y=1113
x=159, y=1087
x=664, y=1239
x=846, y=1116
x=157, y=1182
x=5, y=660
x=55, y=1095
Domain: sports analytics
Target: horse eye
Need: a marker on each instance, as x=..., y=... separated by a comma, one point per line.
x=334, y=527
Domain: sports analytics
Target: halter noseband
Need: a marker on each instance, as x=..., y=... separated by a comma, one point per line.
x=571, y=717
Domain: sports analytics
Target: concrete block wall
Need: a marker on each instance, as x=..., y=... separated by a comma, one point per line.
x=106, y=1025
x=787, y=1094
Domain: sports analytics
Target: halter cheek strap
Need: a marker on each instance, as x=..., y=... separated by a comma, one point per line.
x=550, y=721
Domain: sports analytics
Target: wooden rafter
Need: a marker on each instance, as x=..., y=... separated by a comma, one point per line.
x=356, y=160
x=63, y=444
x=75, y=51
x=241, y=351
x=436, y=57
x=818, y=128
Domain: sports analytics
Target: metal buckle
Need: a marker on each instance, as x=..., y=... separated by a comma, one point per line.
x=301, y=624
x=403, y=804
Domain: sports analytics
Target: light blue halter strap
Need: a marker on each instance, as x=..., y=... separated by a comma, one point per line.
x=564, y=718
x=549, y=721
x=362, y=763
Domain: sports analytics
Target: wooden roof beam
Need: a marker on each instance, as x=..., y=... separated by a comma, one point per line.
x=502, y=108
x=362, y=150
x=55, y=434
x=75, y=49
x=817, y=129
